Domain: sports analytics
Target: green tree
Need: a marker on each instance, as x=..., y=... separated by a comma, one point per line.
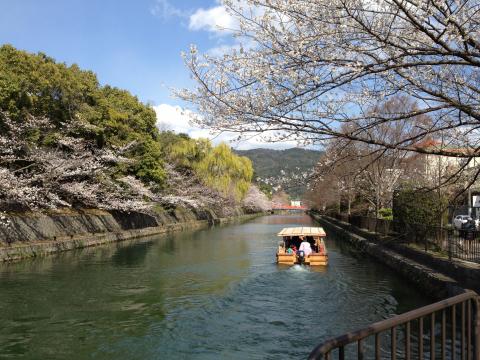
x=225, y=171
x=36, y=85
x=76, y=105
x=217, y=167
x=411, y=206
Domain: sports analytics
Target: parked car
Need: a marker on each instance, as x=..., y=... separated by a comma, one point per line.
x=460, y=220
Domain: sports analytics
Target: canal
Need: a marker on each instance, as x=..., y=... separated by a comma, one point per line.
x=210, y=294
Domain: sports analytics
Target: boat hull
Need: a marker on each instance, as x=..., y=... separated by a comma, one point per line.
x=312, y=259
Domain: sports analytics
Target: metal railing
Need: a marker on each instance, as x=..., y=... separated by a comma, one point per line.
x=463, y=244
x=380, y=226
x=459, y=244
x=452, y=331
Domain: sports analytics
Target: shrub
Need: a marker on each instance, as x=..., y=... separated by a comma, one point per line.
x=413, y=206
x=386, y=213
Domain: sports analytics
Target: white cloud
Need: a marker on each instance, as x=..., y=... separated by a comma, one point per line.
x=174, y=118
x=215, y=19
x=222, y=24
x=165, y=10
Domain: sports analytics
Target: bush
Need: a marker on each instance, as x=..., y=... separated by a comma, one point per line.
x=386, y=213
x=413, y=206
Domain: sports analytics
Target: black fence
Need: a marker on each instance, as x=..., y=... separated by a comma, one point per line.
x=452, y=242
x=464, y=244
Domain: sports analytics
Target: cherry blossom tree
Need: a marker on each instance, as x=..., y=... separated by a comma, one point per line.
x=70, y=171
x=305, y=69
x=255, y=200
x=335, y=178
x=74, y=172
x=369, y=171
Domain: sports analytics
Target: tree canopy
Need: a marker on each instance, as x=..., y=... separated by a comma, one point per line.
x=218, y=166
x=79, y=135
x=303, y=69
x=36, y=85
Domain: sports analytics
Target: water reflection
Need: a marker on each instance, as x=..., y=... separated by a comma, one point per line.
x=133, y=255
x=213, y=293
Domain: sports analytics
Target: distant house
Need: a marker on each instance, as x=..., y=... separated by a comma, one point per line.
x=437, y=168
x=439, y=165
x=295, y=203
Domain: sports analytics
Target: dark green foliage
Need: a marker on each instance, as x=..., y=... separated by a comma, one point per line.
x=412, y=206
x=149, y=164
x=124, y=117
x=37, y=85
x=266, y=189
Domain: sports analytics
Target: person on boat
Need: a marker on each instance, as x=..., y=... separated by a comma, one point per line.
x=321, y=248
x=290, y=250
x=305, y=247
x=295, y=240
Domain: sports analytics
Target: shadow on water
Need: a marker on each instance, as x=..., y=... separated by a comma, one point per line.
x=209, y=294
x=133, y=255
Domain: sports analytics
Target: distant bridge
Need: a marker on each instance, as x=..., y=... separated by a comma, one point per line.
x=288, y=207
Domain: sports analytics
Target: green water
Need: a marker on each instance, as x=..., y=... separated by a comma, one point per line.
x=210, y=294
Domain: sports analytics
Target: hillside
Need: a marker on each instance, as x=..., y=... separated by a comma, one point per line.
x=286, y=170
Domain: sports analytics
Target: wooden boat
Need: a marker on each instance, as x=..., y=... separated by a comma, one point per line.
x=294, y=236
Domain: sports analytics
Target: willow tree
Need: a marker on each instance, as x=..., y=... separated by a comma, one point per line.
x=187, y=152
x=303, y=69
x=216, y=166
x=221, y=169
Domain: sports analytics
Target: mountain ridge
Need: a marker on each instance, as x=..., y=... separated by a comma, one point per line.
x=286, y=169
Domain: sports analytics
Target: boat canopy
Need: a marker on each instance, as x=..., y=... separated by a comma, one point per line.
x=302, y=231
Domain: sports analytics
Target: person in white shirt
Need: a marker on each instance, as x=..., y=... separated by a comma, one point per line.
x=305, y=247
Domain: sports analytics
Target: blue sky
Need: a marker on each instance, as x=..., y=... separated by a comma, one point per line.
x=131, y=44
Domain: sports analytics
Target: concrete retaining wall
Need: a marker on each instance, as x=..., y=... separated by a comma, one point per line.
x=37, y=234
x=39, y=226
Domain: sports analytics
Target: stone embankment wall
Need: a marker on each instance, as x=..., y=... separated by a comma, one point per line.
x=434, y=276
x=34, y=234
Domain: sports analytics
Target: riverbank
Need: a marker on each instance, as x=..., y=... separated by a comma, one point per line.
x=431, y=276
x=38, y=234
